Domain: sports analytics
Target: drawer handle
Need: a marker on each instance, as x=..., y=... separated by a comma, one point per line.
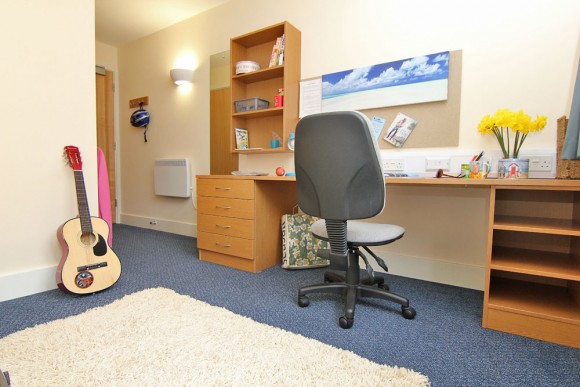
x=219, y=225
x=223, y=244
x=224, y=188
x=223, y=207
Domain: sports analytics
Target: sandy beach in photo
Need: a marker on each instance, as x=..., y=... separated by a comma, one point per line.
x=389, y=96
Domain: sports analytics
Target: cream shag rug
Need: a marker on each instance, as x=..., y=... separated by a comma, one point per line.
x=157, y=337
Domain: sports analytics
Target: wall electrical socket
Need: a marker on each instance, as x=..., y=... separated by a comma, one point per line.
x=435, y=163
x=393, y=165
x=541, y=164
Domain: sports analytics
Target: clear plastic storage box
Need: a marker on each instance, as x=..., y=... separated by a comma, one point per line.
x=246, y=105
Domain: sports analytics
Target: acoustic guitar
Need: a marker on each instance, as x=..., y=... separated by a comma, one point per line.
x=88, y=264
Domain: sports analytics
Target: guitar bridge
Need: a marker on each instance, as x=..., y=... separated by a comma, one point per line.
x=91, y=267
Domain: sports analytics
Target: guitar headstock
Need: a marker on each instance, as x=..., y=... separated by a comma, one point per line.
x=74, y=157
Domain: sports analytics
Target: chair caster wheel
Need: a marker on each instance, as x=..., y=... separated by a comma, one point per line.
x=408, y=312
x=345, y=323
x=384, y=286
x=303, y=301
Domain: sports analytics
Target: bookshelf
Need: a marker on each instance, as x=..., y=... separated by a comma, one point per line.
x=533, y=269
x=264, y=83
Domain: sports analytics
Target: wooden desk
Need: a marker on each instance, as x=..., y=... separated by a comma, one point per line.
x=532, y=284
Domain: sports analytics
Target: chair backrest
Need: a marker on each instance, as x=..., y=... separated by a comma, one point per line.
x=338, y=167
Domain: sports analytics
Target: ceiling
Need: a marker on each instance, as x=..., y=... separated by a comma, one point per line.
x=118, y=22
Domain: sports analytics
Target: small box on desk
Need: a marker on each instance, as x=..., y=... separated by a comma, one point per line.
x=246, y=105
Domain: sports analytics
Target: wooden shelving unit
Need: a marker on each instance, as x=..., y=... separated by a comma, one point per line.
x=264, y=83
x=533, y=264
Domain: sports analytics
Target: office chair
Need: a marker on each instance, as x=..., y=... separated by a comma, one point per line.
x=339, y=178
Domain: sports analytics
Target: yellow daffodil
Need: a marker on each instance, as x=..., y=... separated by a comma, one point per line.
x=505, y=120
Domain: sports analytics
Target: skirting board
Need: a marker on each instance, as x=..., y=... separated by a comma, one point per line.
x=443, y=272
x=450, y=273
x=187, y=229
x=16, y=285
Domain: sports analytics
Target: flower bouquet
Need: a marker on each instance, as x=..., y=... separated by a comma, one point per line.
x=511, y=130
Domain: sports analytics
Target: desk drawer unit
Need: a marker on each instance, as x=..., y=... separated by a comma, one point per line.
x=238, y=220
x=226, y=222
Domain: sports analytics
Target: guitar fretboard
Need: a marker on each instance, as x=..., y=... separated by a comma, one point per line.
x=83, y=204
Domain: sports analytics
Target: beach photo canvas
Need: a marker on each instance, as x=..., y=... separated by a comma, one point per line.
x=403, y=82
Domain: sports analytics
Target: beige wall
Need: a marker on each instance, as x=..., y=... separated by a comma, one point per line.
x=48, y=101
x=516, y=54
x=106, y=56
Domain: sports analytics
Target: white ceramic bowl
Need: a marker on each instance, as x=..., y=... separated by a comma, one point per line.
x=246, y=66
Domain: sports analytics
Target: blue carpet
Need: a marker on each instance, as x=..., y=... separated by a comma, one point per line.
x=445, y=341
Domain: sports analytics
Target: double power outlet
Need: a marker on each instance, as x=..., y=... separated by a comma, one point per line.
x=393, y=165
x=541, y=164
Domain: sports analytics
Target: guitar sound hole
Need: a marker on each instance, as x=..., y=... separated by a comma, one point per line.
x=88, y=238
x=84, y=279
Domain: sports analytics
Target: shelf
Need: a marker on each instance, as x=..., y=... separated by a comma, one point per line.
x=539, y=263
x=537, y=225
x=261, y=36
x=260, y=75
x=271, y=112
x=532, y=299
x=261, y=151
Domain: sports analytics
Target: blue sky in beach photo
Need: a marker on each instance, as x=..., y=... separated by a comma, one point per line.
x=419, y=69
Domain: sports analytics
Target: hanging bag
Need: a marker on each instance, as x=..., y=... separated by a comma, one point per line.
x=299, y=246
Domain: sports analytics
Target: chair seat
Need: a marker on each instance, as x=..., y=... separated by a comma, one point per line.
x=362, y=233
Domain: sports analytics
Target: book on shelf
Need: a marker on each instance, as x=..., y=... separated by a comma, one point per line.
x=242, y=139
x=274, y=54
x=277, y=56
x=280, y=60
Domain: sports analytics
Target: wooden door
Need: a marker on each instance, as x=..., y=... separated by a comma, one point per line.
x=222, y=160
x=106, y=130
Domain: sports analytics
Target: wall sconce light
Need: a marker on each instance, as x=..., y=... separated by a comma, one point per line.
x=181, y=76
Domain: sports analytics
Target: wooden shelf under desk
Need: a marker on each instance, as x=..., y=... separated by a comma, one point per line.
x=537, y=225
x=534, y=310
x=534, y=299
x=541, y=263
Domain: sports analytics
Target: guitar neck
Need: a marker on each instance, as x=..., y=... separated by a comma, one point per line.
x=83, y=204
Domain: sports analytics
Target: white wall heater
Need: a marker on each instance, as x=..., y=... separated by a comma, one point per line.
x=172, y=177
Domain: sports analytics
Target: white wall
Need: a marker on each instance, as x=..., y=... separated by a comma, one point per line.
x=106, y=56
x=48, y=101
